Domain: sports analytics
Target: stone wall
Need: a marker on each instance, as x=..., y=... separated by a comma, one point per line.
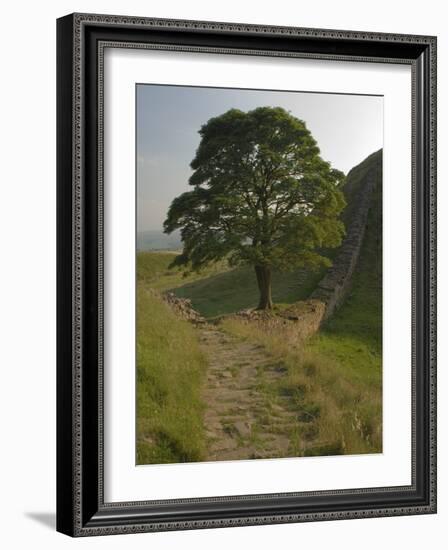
x=183, y=308
x=294, y=324
x=333, y=288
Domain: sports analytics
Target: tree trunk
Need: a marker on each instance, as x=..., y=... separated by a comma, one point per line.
x=263, y=274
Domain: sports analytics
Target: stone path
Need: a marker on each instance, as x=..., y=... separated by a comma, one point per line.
x=245, y=417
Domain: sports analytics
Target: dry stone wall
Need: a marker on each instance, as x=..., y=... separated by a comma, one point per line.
x=294, y=324
x=183, y=308
x=333, y=288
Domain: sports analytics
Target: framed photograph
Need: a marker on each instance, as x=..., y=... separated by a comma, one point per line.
x=246, y=274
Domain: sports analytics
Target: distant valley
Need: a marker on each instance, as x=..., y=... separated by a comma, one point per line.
x=157, y=240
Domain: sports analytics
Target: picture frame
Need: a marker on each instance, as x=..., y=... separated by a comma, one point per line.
x=81, y=506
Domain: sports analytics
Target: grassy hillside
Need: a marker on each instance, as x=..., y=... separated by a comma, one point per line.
x=153, y=270
x=170, y=370
x=355, y=180
x=354, y=333
x=353, y=336
x=236, y=289
x=219, y=290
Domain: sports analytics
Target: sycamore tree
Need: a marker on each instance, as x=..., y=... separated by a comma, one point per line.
x=261, y=196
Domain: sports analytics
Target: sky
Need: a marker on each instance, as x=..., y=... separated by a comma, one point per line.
x=347, y=129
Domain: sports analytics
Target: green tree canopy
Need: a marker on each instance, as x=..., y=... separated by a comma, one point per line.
x=262, y=195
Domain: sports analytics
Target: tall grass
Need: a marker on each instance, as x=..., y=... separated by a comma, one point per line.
x=170, y=370
x=338, y=409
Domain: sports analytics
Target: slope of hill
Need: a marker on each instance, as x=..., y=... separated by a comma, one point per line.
x=220, y=290
x=358, y=322
x=170, y=370
x=355, y=180
x=365, y=299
